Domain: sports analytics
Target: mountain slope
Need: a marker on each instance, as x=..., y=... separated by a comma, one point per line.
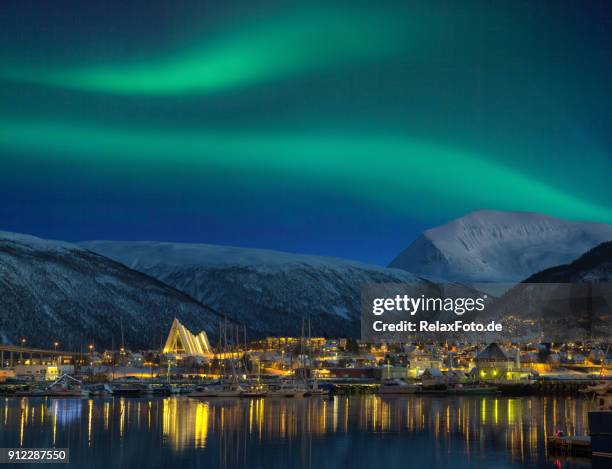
x=493, y=246
x=593, y=266
x=269, y=291
x=54, y=291
x=570, y=302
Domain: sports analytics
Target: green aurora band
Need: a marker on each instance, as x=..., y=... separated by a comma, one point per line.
x=393, y=172
x=282, y=46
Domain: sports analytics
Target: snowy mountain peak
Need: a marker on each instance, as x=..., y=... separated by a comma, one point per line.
x=489, y=246
x=32, y=242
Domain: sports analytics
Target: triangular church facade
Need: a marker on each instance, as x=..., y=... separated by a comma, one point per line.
x=182, y=342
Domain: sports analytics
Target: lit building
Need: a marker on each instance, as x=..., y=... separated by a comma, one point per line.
x=493, y=364
x=42, y=372
x=420, y=361
x=182, y=343
x=433, y=377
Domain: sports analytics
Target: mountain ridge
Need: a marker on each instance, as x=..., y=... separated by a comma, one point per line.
x=57, y=291
x=270, y=290
x=497, y=246
x=595, y=265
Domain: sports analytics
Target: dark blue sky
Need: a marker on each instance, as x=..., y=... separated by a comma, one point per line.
x=334, y=128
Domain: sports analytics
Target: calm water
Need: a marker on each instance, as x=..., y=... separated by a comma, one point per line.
x=356, y=431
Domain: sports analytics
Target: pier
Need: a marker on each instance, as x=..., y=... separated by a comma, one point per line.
x=543, y=387
x=571, y=445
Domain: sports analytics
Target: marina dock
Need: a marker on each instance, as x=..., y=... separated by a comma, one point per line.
x=571, y=445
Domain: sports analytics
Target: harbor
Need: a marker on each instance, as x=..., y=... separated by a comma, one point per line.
x=532, y=404
x=598, y=443
x=458, y=431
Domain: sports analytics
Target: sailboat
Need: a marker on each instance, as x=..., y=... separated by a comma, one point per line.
x=396, y=386
x=290, y=387
x=254, y=388
x=229, y=387
x=285, y=389
x=219, y=389
x=313, y=388
x=66, y=386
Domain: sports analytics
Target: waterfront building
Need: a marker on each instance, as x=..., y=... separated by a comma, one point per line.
x=455, y=376
x=432, y=377
x=419, y=361
x=493, y=364
x=42, y=372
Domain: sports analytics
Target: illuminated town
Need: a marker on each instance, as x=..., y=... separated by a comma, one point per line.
x=339, y=365
x=514, y=397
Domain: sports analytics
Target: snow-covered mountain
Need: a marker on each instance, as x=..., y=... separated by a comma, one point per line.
x=55, y=291
x=269, y=291
x=494, y=246
x=594, y=266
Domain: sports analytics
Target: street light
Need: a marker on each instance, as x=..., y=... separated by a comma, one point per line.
x=55, y=345
x=23, y=340
x=91, y=347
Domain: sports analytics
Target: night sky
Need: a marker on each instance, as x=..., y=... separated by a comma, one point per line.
x=328, y=128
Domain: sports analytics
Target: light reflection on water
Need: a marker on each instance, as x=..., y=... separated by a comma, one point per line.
x=341, y=431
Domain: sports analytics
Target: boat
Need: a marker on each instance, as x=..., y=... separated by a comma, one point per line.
x=220, y=389
x=317, y=392
x=65, y=386
x=315, y=389
x=128, y=389
x=100, y=389
x=29, y=392
x=396, y=386
x=67, y=393
x=474, y=389
x=601, y=388
x=255, y=390
x=164, y=389
x=600, y=423
x=285, y=389
x=230, y=385
x=569, y=445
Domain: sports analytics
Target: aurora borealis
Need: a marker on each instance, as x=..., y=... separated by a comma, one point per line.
x=254, y=52
x=329, y=128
